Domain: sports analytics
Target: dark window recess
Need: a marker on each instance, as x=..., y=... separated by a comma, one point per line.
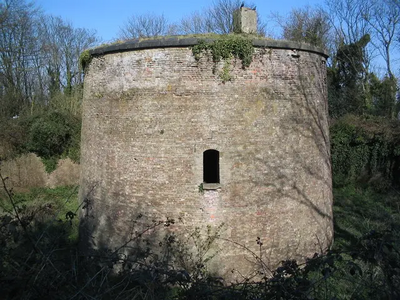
x=211, y=166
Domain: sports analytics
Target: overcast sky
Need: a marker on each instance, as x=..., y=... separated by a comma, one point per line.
x=107, y=16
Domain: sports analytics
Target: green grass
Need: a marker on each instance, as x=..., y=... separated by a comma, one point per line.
x=359, y=211
x=367, y=234
x=49, y=206
x=356, y=211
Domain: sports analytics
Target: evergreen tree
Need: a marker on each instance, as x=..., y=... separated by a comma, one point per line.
x=348, y=88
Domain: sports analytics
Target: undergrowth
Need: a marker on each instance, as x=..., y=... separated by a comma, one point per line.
x=40, y=257
x=50, y=133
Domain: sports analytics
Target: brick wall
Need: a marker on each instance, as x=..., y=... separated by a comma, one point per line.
x=148, y=116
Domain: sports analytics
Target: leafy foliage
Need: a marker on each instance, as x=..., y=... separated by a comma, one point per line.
x=50, y=134
x=367, y=230
x=226, y=47
x=36, y=238
x=39, y=252
x=383, y=94
x=366, y=149
x=38, y=255
x=347, y=80
x=84, y=59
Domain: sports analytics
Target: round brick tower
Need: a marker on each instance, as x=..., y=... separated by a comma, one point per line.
x=164, y=136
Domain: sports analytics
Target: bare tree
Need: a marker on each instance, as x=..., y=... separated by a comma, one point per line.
x=18, y=48
x=218, y=18
x=306, y=25
x=61, y=45
x=38, y=58
x=220, y=15
x=346, y=17
x=147, y=25
x=383, y=17
x=350, y=27
x=197, y=22
x=353, y=19
x=375, y=22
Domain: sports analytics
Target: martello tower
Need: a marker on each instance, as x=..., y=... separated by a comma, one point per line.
x=168, y=135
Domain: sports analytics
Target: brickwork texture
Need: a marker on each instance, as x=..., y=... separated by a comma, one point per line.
x=150, y=113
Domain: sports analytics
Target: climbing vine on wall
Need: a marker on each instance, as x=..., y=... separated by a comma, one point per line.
x=365, y=147
x=225, y=48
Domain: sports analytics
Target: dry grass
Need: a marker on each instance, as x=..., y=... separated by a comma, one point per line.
x=66, y=173
x=28, y=171
x=24, y=172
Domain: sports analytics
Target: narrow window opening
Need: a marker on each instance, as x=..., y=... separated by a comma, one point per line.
x=211, y=166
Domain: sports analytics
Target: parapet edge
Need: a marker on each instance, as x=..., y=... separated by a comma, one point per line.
x=177, y=42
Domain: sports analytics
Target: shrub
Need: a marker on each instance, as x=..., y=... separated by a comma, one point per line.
x=51, y=134
x=365, y=148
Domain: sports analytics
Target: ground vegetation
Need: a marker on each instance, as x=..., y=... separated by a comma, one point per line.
x=40, y=97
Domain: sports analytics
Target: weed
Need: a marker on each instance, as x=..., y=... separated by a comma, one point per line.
x=84, y=59
x=201, y=188
x=225, y=48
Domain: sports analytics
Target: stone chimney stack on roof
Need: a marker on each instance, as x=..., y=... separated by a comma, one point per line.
x=245, y=20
